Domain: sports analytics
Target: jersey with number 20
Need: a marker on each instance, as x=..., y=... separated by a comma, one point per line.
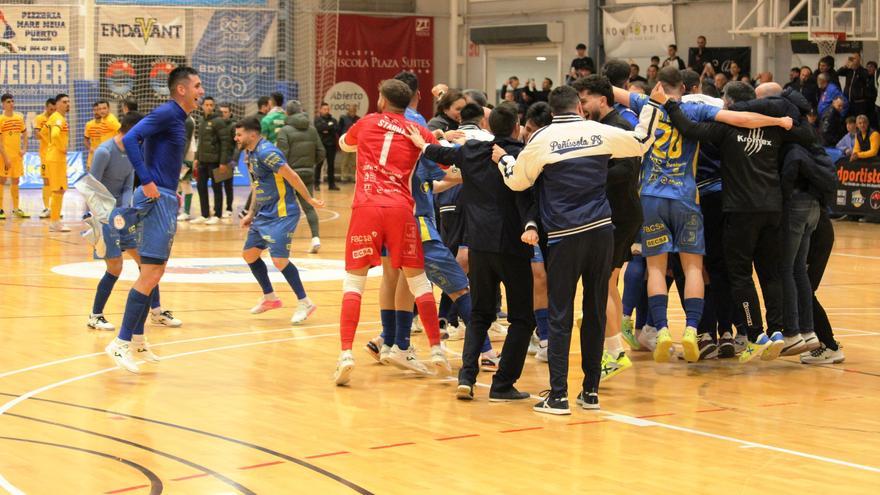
x=386, y=159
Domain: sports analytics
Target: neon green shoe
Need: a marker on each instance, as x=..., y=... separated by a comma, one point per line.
x=628, y=334
x=690, y=346
x=613, y=366
x=755, y=349
x=664, y=344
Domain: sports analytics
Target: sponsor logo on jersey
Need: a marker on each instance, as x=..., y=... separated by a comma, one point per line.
x=754, y=141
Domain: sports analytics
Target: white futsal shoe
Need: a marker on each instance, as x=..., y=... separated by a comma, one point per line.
x=344, y=367
x=142, y=351
x=438, y=359
x=120, y=351
x=164, y=317
x=303, y=311
x=406, y=360
x=98, y=322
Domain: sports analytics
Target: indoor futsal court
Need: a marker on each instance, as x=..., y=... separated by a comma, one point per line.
x=363, y=213
x=244, y=404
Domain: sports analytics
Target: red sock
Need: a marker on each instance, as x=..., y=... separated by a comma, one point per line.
x=348, y=320
x=428, y=315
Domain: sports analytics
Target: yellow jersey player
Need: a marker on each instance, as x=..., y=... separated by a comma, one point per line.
x=13, y=144
x=103, y=127
x=57, y=134
x=39, y=122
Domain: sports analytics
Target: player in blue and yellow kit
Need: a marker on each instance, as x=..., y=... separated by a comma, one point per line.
x=273, y=216
x=670, y=201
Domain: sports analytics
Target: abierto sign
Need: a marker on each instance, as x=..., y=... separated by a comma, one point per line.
x=638, y=32
x=141, y=31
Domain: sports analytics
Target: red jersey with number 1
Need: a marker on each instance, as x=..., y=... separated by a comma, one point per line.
x=386, y=159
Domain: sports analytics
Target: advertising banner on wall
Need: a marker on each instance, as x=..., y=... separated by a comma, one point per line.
x=235, y=53
x=141, y=31
x=858, y=187
x=34, y=30
x=364, y=59
x=721, y=57
x=638, y=32
x=143, y=75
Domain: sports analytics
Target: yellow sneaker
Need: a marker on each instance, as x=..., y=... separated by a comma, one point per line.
x=664, y=343
x=690, y=346
x=613, y=366
x=755, y=349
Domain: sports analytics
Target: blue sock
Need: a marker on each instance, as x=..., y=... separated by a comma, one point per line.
x=403, y=327
x=154, y=298
x=261, y=273
x=542, y=319
x=135, y=307
x=388, y=322
x=633, y=281
x=693, y=310
x=445, y=305
x=464, y=306
x=139, y=329
x=658, y=305
x=105, y=287
x=487, y=345
x=291, y=274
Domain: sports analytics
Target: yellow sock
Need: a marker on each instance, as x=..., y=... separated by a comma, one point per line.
x=13, y=189
x=47, y=195
x=55, y=209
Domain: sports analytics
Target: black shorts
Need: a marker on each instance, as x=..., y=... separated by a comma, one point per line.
x=452, y=230
x=625, y=235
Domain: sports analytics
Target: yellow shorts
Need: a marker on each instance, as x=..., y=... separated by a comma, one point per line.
x=15, y=168
x=56, y=172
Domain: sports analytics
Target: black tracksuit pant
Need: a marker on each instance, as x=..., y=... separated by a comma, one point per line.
x=487, y=270
x=584, y=257
x=821, y=243
x=206, y=171
x=331, y=166
x=754, y=237
x=716, y=313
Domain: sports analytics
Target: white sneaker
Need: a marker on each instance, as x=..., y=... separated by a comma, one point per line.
x=316, y=245
x=98, y=322
x=811, y=341
x=182, y=217
x=648, y=338
x=534, y=344
x=374, y=346
x=384, y=354
x=455, y=333
x=740, y=342
x=541, y=355
x=406, y=360
x=45, y=213
x=497, y=332
x=344, y=367
x=438, y=359
x=227, y=214
x=823, y=355
x=417, y=325
x=212, y=221
x=58, y=227
x=120, y=351
x=793, y=346
x=142, y=351
x=303, y=311
x=164, y=318
x=198, y=220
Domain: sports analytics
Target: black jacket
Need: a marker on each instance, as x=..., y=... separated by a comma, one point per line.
x=442, y=122
x=622, y=185
x=749, y=159
x=832, y=127
x=495, y=216
x=328, y=129
x=807, y=171
x=858, y=87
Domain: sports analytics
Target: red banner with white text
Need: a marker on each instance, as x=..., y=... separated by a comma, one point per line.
x=372, y=49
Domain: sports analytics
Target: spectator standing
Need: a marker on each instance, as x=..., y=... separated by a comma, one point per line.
x=828, y=92
x=328, y=129
x=699, y=60
x=348, y=159
x=673, y=59
x=858, y=88
x=634, y=74
x=580, y=63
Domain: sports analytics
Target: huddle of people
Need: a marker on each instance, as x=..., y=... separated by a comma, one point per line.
x=676, y=185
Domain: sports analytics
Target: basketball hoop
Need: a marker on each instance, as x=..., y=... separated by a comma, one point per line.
x=827, y=41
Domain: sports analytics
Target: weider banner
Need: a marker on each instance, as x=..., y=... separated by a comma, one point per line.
x=141, y=31
x=638, y=32
x=364, y=59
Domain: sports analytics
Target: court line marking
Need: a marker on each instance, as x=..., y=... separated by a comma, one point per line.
x=9, y=487
x=862, y=256
x=173, y=342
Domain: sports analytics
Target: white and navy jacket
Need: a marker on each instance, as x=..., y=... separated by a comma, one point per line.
x=568, y=160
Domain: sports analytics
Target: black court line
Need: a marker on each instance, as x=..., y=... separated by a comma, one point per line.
x=275, y=453
x=156, y=486
x=210, y=472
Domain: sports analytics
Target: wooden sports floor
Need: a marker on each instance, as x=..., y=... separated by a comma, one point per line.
x=245, y=404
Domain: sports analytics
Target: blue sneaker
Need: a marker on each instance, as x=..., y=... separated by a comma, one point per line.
x=777, y=342
x=755, y=349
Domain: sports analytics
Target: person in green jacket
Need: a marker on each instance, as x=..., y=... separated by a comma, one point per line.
x=301, y=145
x=213, y=147
x=274, y=120
x=231, y=156
x=186, y=173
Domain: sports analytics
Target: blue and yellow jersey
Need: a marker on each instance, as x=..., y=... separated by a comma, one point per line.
x=275, y=196
x=422, y=187
x=669, y=169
